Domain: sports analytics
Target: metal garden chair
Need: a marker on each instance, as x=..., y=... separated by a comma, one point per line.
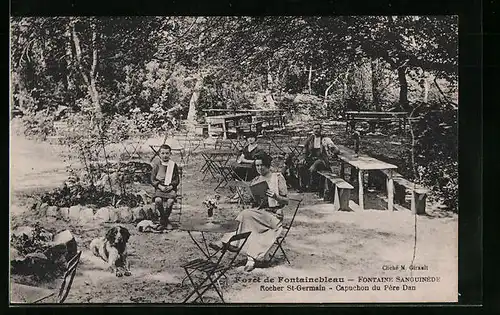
x=212, y=270
x=35, y=295
x=278, y=243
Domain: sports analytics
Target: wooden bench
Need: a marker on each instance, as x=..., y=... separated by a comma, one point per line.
x=404, y=187
x=373, y=118
x=336, y=190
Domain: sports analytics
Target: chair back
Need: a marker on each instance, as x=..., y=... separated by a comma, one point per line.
x=69, y=275
x=238, y=238
x=290, y=224
x=223, y=144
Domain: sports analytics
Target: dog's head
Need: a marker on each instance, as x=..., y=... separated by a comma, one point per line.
x=118, y=235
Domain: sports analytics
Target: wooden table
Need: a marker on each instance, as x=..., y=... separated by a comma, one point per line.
x=366, y=163
x=224, y=120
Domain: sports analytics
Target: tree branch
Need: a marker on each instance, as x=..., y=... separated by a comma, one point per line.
x=444, y=95
x=94, y=52
x=78, y=51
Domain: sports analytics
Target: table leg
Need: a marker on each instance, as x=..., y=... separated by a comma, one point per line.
x=360, y=190
x=224, y=130
x=342, y=170
x=390, y=191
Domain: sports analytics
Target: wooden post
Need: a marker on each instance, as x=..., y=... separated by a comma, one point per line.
x=336, y=198
x=412, y=207
x=420, y=198
x=360, y=190
x=390, y=191
x=209, y=128
x=344, y=195
x=224, y=129
x=342, y=170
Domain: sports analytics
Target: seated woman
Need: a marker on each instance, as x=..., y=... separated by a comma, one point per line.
x=164, y=178
x=247, y=158
x=264, y=221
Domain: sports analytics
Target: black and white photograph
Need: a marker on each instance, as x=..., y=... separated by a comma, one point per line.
x=233, y=159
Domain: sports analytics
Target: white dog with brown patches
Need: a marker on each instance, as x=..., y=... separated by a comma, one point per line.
x=113, y=249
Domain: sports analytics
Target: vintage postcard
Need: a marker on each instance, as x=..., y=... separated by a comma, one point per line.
x=135, y=140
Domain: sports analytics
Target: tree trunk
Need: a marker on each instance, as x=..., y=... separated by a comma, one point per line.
x=69, y=59
x=425, y=93
x=376, y=101
x=403, y=90
x=193, y=102
x=269, y=77
x=309, y=79
x=345, y=87
x=93, y=74
x=191, y=118
x=328, y=90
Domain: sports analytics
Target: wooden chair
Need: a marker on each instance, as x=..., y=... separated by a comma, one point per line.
x=30, y=294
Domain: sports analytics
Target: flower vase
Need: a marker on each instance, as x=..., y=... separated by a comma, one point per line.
x=210, y=213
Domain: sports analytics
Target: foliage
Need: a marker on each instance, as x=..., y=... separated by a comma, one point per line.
x=37, y=124
x=79, y=194
x=25, y=244
x=437, y=155
x=351, y=62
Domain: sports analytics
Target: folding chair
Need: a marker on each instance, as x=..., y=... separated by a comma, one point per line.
x=213, y=271
x=241, y=188
x=177, y=207
x=286, y=229
x=36, y=295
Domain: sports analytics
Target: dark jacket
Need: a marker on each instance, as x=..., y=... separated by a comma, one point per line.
x=309, y=151
x=158, y=174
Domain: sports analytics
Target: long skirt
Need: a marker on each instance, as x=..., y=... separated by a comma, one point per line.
x=265, y=227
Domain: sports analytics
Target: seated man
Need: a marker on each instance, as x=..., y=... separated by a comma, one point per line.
x=164, y=178
x=317, y=149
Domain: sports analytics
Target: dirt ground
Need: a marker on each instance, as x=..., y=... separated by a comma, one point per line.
x=321, y=243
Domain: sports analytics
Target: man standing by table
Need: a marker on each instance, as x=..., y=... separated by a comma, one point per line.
x=317, y=150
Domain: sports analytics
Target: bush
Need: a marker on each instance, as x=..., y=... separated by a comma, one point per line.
x=437, y=155
x=38, y=125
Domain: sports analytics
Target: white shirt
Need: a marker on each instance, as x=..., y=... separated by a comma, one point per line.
x=317, y=142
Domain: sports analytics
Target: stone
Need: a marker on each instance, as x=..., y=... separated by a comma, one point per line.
x=74, y=212
x=102, y=215
x=52, y=211
x=63, y=246
x=46, y=236
x=124, y=215
x=37, y=258
x=144, y=196
x=14, y=254
x=138, y=214
x=64, y=213
x=86, y=215
x=43, y=209
x=150, y=212
x=51, y=219
x=113, y=215
x=24, y=230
